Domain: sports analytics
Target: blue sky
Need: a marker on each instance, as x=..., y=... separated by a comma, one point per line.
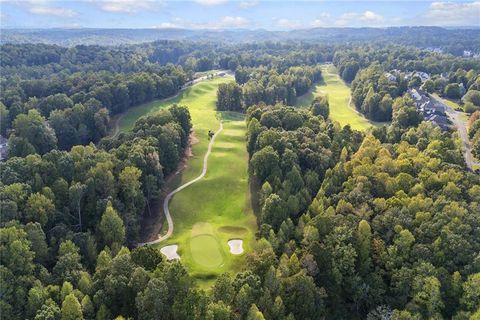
x=228, y=14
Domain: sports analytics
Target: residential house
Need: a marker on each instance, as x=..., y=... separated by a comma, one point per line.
x=430, y=109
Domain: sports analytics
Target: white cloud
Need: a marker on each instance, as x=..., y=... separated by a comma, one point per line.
x=322, y=21
x=168, y=25
x=287, y=24
x=227, y=22
x=355, y=19
x=126, y=6
x=248, y=4
x=452, y=13
x=210, y=2
x=317, y=23
x=43, y=7
x=233, y=22
x=52, y=11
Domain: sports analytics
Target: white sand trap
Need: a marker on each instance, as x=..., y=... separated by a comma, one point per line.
x=170, y=252
x=236, y=246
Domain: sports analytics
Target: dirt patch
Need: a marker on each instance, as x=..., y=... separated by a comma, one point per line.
x=152, y=223
x=191, y=141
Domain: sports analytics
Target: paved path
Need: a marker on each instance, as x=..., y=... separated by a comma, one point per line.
x=170, y=195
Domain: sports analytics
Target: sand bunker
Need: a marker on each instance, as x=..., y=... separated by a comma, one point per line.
x=170, y=252
x=236, y=246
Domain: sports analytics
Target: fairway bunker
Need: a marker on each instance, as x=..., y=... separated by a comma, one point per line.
x=170, y=252
x=206, y=251
x=236, y=246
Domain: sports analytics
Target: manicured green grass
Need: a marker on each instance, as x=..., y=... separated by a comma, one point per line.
x=218, y=205
x=206, y=251
x=338, y=97
x=217, y=208
x=200, y=97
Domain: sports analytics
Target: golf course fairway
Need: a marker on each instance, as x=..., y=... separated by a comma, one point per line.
x=341, y=108
x=215, y=209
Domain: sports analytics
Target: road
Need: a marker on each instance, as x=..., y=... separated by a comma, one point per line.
x=169, y=196
x=118, y=118
x=455, y=117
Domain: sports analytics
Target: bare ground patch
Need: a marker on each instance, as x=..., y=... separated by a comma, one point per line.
x=152, y=224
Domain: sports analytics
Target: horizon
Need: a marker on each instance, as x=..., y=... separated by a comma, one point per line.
x=235, y=15
x=465, y=27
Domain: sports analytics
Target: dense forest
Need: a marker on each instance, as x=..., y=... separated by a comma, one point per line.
x=382, y=224
x=453, y=41
x=474, y=132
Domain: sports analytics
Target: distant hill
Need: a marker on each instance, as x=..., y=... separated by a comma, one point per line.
x=418, y=36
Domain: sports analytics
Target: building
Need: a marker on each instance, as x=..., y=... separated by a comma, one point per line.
x=3, y=148
x=430, y=109
x=422, y=75
x=441, y=121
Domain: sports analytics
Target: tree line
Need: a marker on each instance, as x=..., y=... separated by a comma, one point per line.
x=67, y=214
x=268, y=85
x=44, y=115
x=474, y=133
x=391, y=229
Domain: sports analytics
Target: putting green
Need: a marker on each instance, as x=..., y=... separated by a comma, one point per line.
x=338, y=97
x=217, y=208
x=206, y=251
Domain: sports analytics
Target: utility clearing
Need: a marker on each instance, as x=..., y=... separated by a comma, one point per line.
x=342, y=109
x=215, y=208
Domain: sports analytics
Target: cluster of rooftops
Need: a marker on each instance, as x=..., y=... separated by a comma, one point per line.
x=431, y=109
x=393, y=74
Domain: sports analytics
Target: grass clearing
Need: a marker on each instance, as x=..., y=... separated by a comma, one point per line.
x=217, y=208
x=341, y=109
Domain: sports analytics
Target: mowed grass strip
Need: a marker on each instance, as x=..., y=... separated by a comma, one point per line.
x=217, y=208
x=338, y=97
x=221, y=199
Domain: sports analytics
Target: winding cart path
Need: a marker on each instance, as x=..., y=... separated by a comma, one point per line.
x=169, y=196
